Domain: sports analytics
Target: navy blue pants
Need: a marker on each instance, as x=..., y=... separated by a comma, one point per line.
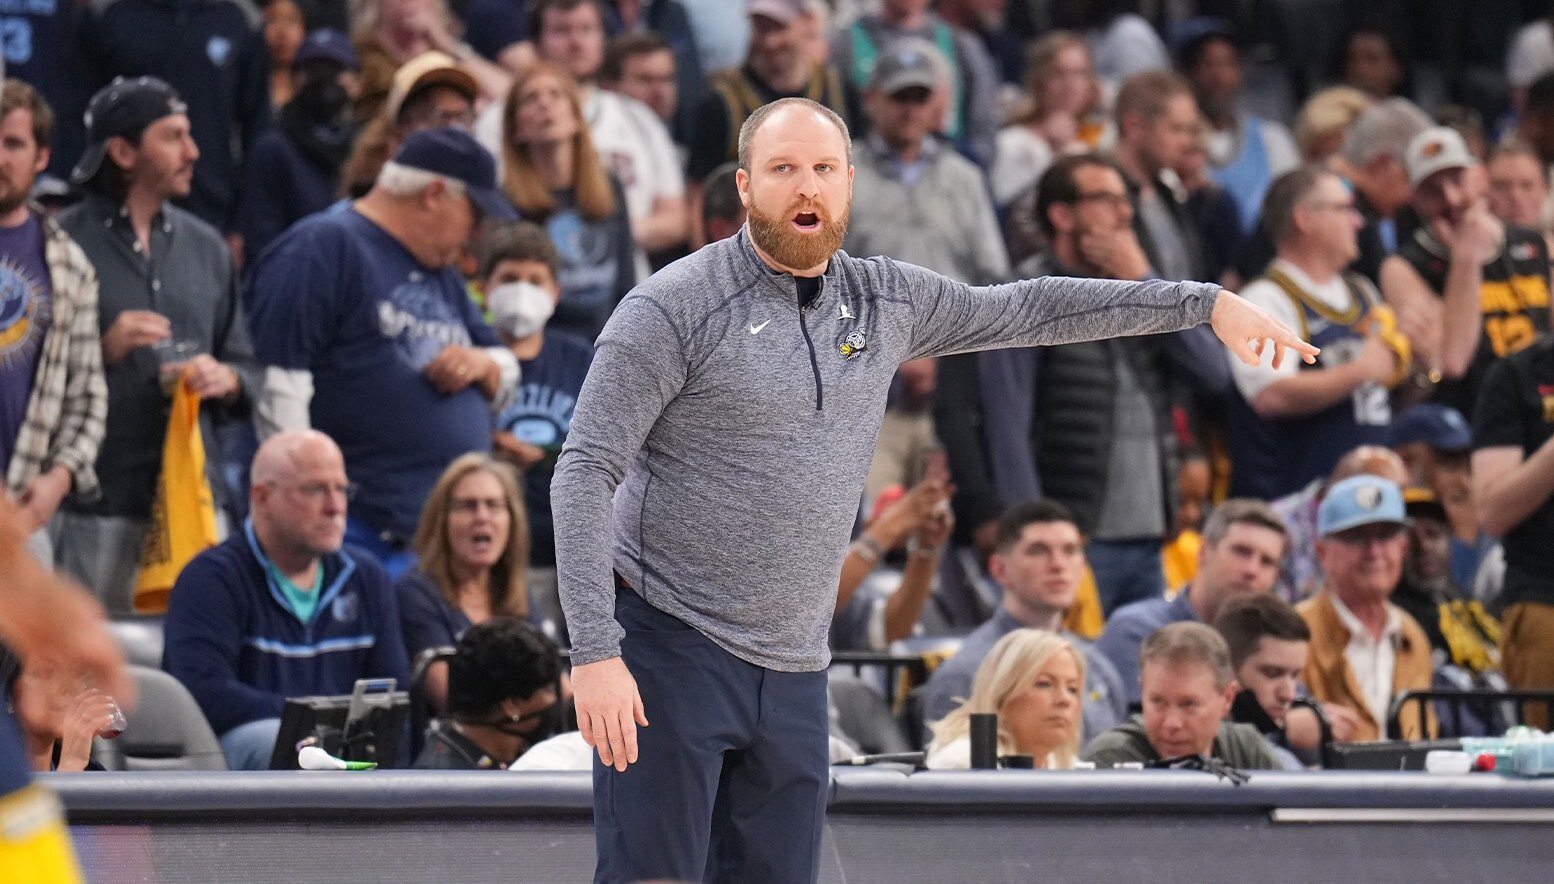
x=731, y=775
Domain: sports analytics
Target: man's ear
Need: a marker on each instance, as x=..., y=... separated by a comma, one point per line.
x=742, y=184
x=1062, y=217
x=121, y=153
x=997, y=567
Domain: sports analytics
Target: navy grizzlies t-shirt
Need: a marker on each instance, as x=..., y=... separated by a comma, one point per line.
x=338, y=297
x=541, y=415
x=26, y=298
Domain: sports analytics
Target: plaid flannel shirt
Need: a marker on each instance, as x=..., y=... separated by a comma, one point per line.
x=67, y=410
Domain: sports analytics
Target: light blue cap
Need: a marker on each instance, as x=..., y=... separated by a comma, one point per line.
x=1360, y=500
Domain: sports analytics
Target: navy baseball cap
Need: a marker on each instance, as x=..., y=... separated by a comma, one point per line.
x=454, y=153
x=1440, y=427
x=1360, y=500
x=123, y=108
x=327, y=44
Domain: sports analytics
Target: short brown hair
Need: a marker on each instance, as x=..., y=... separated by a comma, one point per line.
x=1287, y=193
x=1245, y=621
x=1242, y=511
x=541, y=7
x=626, y=47
x=518, y=241
x=18, y=95
x=1188, y=642
x=1149, y=93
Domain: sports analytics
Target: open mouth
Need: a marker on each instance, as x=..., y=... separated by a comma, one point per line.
x=806, y=222
x=482, y=541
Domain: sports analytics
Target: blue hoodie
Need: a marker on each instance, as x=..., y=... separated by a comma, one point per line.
x=234, y=642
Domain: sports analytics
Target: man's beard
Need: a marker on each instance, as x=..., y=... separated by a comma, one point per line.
x=798, y=251
x=10, y=201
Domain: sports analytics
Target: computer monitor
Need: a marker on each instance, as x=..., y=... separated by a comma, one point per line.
x=365, y=725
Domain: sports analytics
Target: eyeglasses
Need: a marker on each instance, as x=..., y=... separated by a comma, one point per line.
x=469, y=506
x=318, y=491
x=1110, y=200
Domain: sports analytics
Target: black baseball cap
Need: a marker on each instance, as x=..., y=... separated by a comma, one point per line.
x=327, y=44
x=123, y=108
x=454, y=153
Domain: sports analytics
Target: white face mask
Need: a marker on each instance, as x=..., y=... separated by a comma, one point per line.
x=519, y=308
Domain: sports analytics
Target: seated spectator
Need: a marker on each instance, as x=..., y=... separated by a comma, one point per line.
x=1436, y=444
x=641, y=66
x=1039, y=563
x=471, y=549
x=916, y=200
x=1372, y=60
x=428, y=91
x=1211, y=208
x=1468, y=289
x=1157, y=118
x=1033, y=680
x=1374, y=154
x=1268, y=646
x=913, y=198
x=1188, y=688
x=1059, y=114
x=294, y=167
x=281, y=609
x=878, y=605
x=552, y=173
x=1518, y=185
x=669, y=21
x=1087, y=423
x=502, y=691
x=776, y=66
x=722, y=210
x=1513, y=483
x=58, y=718
x=284, y=30
x=1462, y=634
x=1364, y=649
x=369, y=333
x=1299, y=575
x=1289, y=424
x=519, y=273
x=1243, y=543
x=389, y=34
x=630, y=139
x=1324, y=120
x=969, y=118
x=1179, y=557
x=1246, y=152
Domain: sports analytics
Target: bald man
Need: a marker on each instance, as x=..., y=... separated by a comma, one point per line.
x=282, y=609
x=735, y=403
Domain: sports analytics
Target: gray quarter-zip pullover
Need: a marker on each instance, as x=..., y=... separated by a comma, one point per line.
x=719, y=446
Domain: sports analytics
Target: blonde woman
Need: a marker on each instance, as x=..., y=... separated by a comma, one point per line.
x=1061, y=113
x=555, y=178
x=472, y=551
x=1034, y=681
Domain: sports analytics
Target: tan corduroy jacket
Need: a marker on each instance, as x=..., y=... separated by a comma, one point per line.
x=1331, y=680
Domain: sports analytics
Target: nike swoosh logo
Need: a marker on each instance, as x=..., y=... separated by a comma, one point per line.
x=756, y=329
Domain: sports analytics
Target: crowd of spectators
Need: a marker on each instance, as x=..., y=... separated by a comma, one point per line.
x=377, y=239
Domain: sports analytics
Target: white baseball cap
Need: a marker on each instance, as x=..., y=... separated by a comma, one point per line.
x=1436, y=149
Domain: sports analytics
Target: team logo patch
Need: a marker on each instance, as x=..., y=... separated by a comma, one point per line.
x=218, y=50
x=345, y=607
x=1432, y=150
x=852, y=345
x=1368, y=497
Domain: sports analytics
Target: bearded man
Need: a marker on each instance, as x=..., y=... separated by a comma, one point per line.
x=734, y=402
